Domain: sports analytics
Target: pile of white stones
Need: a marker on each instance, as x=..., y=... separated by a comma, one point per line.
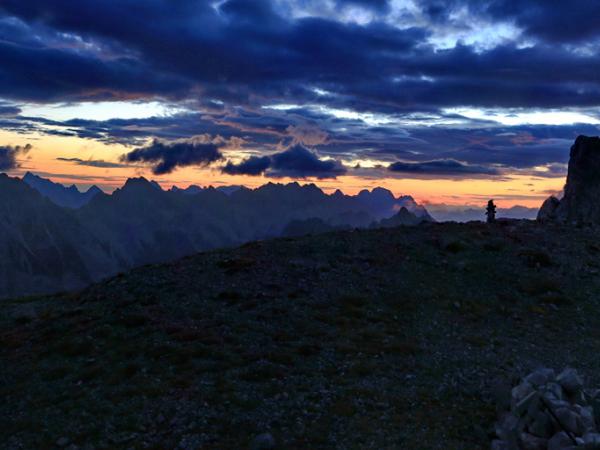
x=550, y=412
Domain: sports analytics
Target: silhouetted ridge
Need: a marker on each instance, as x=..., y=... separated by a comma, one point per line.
x=140, y=223
x=69, y=197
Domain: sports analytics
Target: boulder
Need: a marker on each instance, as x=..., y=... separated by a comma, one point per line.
x=530, y=442
x=569, y=420
x=570, y=381
x=547, y=212
x=560, y=441
x=540, y=376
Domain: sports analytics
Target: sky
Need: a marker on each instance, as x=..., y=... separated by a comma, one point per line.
x=452, y=101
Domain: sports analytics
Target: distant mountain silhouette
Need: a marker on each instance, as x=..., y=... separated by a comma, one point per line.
x=45, y=247
x=461, y=213
x=56, y=238
x=403, y=217
x=69, y=197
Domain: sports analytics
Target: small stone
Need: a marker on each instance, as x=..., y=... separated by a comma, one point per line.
x=529, y=402
x=587, y=418
x=570, y=381
x=569, y=420
x=264, y=441
x=541, y=425
x=63, y=442
x=591, y=438
x=520, y=391
x=497, y=444
x=560, y=441
x=540, y=377
x=553, y=391
x=508, y=427
x=530, y=442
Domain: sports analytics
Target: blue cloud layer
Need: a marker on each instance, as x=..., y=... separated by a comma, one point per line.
x=230, y=63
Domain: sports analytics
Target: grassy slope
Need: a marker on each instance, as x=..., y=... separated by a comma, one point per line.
x=366, y=339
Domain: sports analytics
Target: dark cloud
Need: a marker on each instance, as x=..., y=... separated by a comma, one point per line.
x=9, y=110
x=295, y=162
x=99, y=163
x=247, y=50
x=246, y=55
x=379, y=5
x=255, y=165
x=165, y=157
x=8, y=156
x=514, y=148
x=299, y=162
x=572, y=21
x=441, y=167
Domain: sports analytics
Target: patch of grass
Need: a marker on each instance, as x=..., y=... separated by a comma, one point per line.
x=493, y=245
x=540, y=285
x=262, y=373
x=402, y=348
x=456, y=247
x=343, y=408
x=91, y=373
x=352, y=301
x=133, y=320
x=555, y=298
x=55, y=373
x=362, y=369
x=307, y=350
x=234, y=265
x=230, y=297
x=284, y=358
x=23, y=320
x=74, y=348
x=476, y=340
x=536, y=258
x=179, y=358
x=130, y=369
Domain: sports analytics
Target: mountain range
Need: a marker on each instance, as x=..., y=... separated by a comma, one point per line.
x=59, y=238
x=69, y=197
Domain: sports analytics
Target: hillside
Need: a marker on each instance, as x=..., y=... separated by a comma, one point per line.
x=56, y=238
x=386, y=338
x=43, y=246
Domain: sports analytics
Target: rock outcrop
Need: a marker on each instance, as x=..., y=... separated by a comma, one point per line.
x=547, y=212
x=581, y=201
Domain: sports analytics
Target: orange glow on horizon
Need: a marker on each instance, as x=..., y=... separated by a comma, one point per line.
x=42, y=159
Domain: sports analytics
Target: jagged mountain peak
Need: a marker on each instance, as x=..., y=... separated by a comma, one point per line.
x=70, y=197
x=140, y=183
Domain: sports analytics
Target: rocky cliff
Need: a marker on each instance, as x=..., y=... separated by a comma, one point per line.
x=581, y=199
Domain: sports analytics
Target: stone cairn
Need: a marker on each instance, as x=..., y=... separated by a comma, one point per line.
x=490, y=212
x=549, y=412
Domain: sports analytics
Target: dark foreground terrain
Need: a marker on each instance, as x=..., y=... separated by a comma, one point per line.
x=369, y=339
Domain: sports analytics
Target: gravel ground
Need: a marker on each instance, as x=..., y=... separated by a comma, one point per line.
x=370, y=339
